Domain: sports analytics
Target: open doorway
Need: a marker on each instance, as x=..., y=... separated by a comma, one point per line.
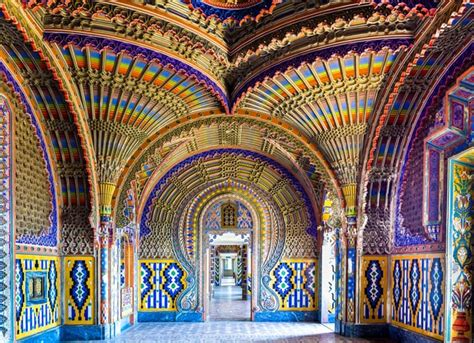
x=229, y=282
x=228, y=246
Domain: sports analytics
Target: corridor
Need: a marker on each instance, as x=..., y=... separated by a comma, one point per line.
x=227, y=304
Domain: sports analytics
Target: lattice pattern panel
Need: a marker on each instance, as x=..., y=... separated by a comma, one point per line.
x=212, y=217
x=244, y=218
x=79, y=292
x=238, y=281
x=295, y=283
x=418, y=293
x=249, y=284
x=35, y=209
x=373, y=287
x=161, y=281
x=35, y=314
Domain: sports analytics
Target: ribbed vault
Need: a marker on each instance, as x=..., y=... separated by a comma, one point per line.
x=27, y=76
x=228, y=48
x=34, y=77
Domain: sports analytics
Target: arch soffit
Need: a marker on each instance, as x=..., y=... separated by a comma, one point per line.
x=174, y=129
x=268, y=212
x=211, y=155
x=160, y=172
x=168, y=219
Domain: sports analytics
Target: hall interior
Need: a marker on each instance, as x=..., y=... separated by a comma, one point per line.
x=236, y=170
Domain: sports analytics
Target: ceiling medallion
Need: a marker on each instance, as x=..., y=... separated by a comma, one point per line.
x=234, y=10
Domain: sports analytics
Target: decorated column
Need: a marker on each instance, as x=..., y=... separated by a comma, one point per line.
x=105, y=239
x=340, y=276
x=351, y=236
x=351, y=252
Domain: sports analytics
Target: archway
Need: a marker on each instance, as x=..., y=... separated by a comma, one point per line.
x=172, y=253
x=229, y=228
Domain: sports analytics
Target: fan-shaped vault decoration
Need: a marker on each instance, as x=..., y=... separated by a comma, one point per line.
x=331, y=101
x=128, y=97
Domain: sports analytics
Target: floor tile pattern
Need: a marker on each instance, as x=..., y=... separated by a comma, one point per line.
x=227, y=304
x=233, y=332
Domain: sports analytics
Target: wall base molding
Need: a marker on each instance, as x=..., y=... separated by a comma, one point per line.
x=169, y=316
x=393, y=332
x=361, y=330
x=51, y=335
x=78, y=333
x=399, y=334
x=286, y=316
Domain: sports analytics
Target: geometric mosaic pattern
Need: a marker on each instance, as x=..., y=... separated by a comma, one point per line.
x=5, y=214
x=35, y=317
x=418, y=293
x=161, y=281
x=79, y=293
x=244, y=218
x=373, y=289
x=52, y=291
x=295, y=283
x=173, y=276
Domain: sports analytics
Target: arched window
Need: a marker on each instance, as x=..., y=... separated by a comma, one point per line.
x=229, y=215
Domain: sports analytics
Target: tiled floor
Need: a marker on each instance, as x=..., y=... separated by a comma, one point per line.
x=229, y=323
x=227, y=304
x=232, y=332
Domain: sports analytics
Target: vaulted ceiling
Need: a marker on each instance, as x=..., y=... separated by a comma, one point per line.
x=328, y=89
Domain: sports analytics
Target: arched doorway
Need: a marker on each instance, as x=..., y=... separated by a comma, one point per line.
x=175, y=251
x=230, y=248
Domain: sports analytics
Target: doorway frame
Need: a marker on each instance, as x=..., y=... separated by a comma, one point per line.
x=204, y=254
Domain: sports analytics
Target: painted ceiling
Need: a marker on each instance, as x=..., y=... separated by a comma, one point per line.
x=329, y=90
